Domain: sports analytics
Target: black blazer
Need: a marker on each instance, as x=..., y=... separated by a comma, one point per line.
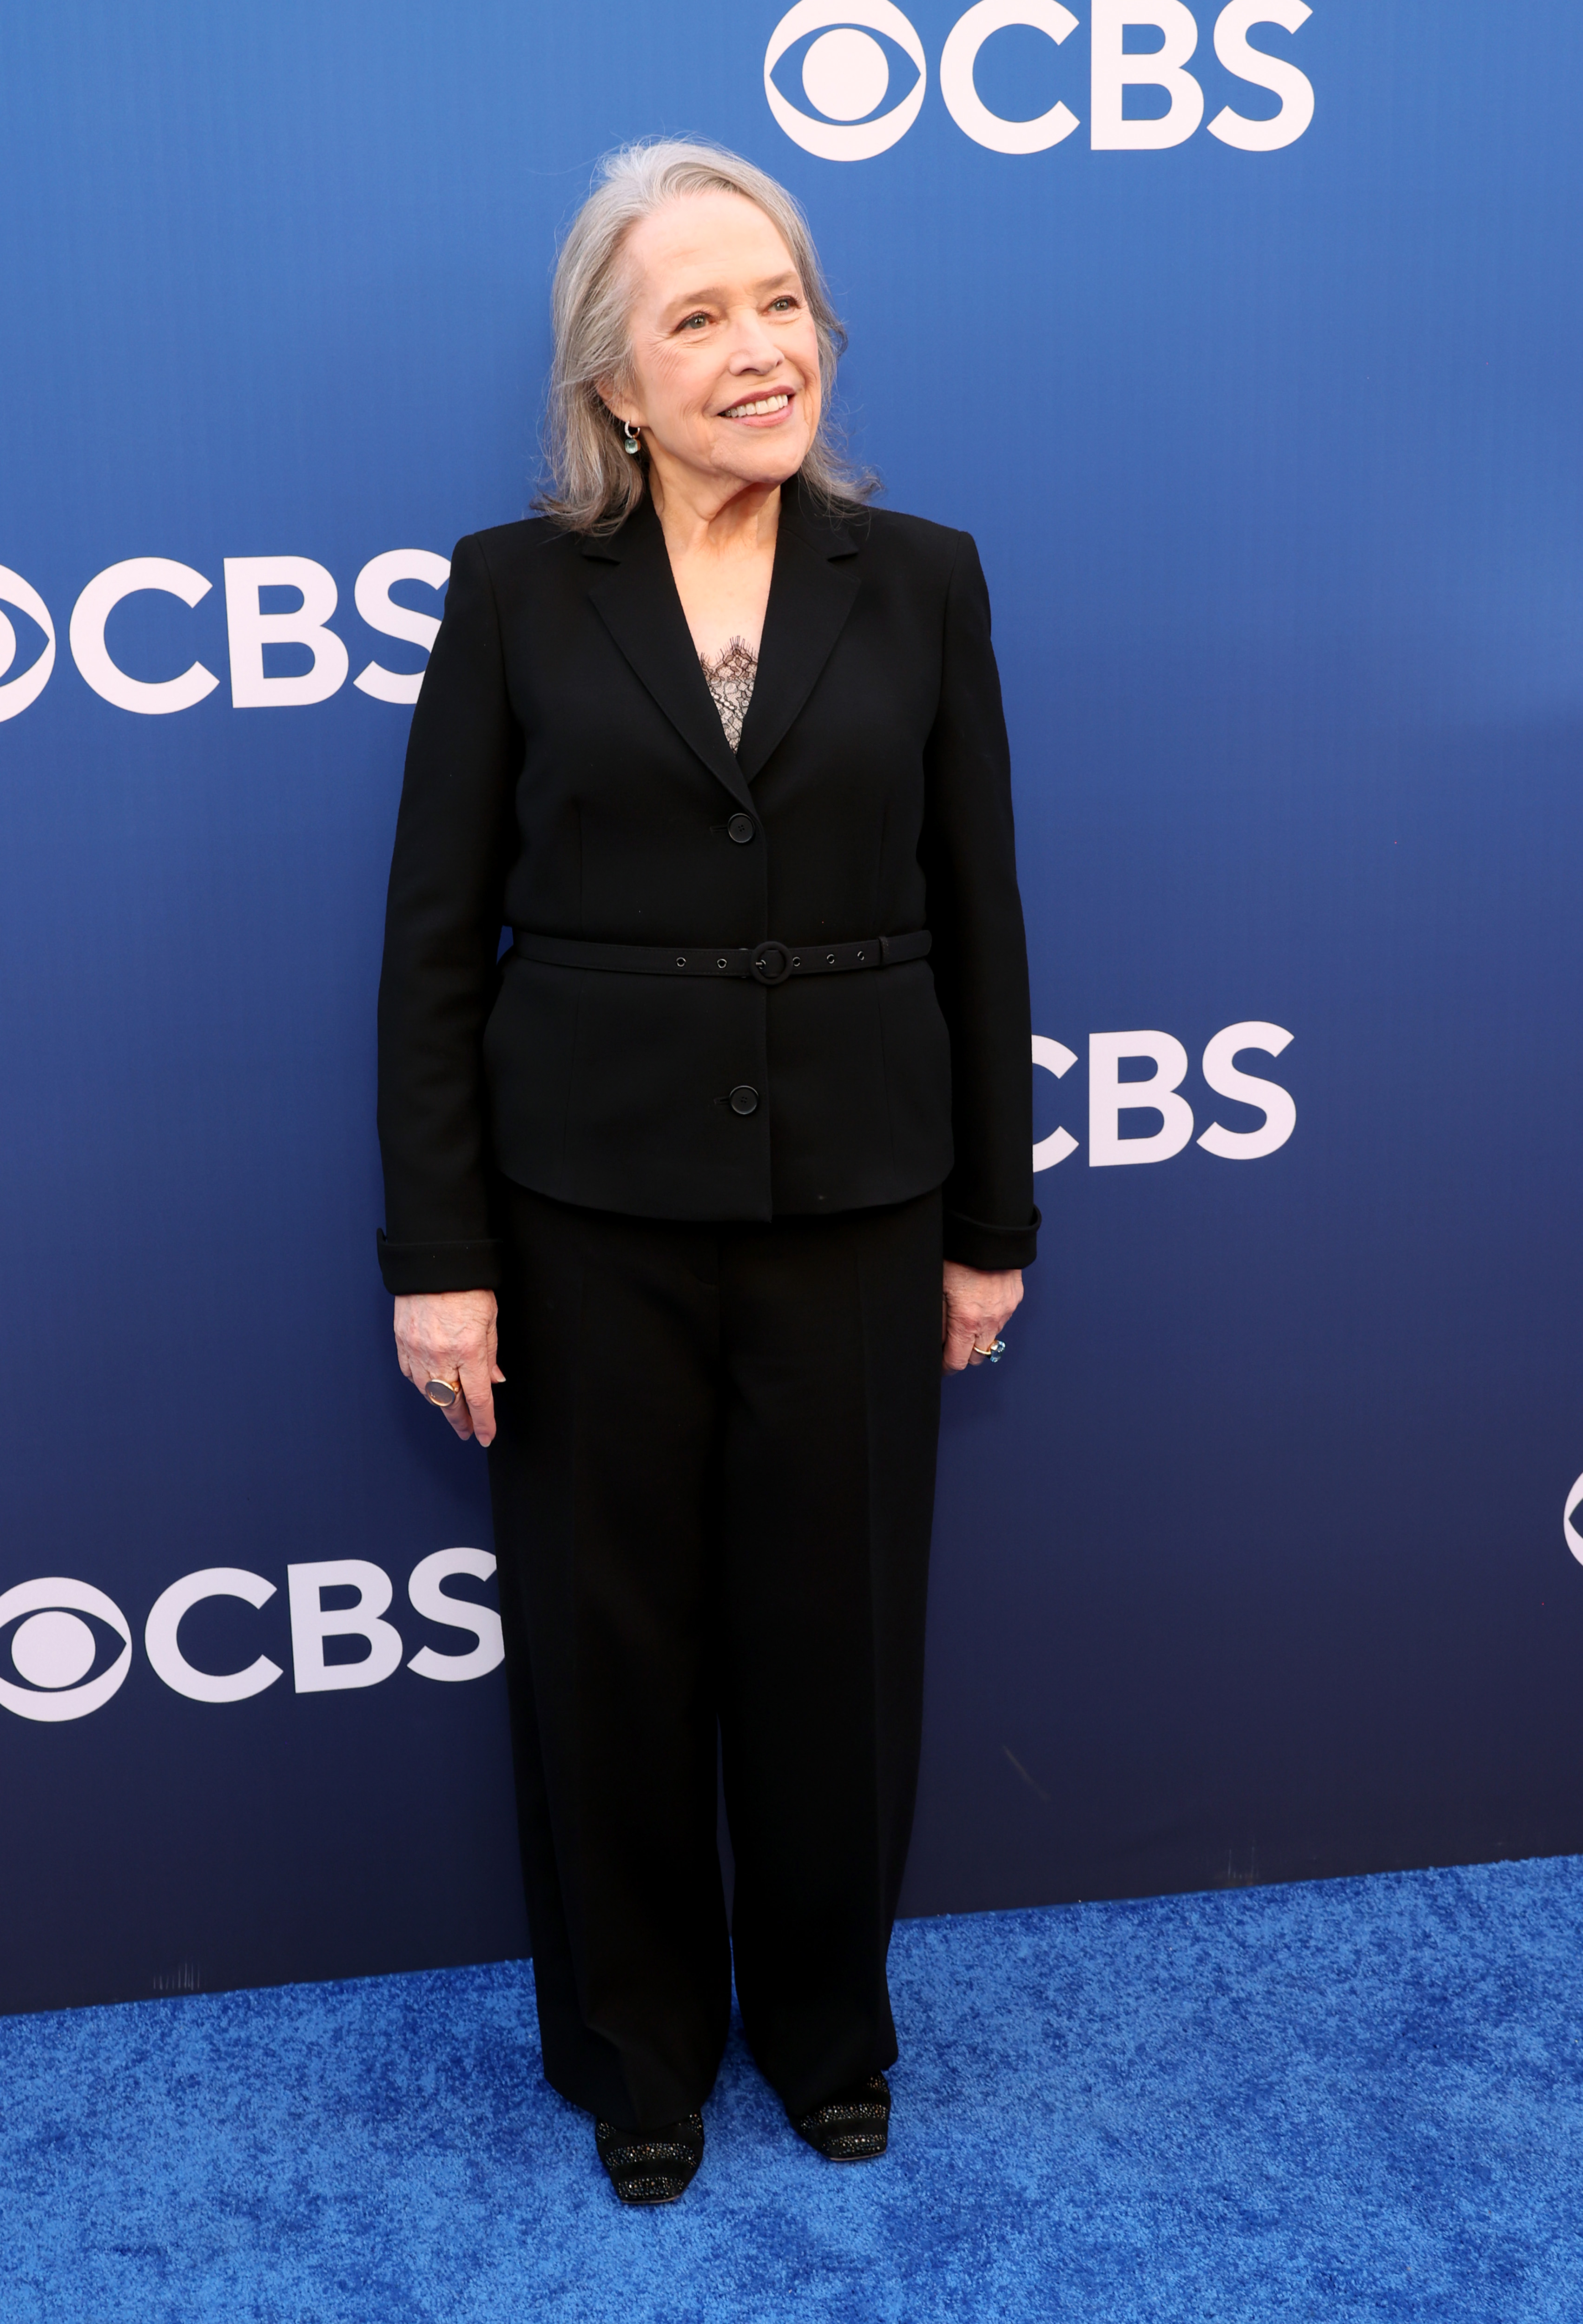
x=567, y=774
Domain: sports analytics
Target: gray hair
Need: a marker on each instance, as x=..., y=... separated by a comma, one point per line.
x=593, y=485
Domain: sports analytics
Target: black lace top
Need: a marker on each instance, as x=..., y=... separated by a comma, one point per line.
x=731, y=677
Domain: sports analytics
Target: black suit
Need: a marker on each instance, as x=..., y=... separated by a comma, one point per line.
x=567, y=774
x=715, y=1208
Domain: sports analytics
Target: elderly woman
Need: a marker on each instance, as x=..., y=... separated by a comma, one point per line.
x=689, y=1194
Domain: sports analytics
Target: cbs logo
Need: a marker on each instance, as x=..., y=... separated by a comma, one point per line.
x=16, y=693
x=54, y=1649
x=846, y=76
x=250, y=632
x=71, y=1666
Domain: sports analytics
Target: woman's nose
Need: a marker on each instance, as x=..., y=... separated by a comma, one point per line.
x=754, y=349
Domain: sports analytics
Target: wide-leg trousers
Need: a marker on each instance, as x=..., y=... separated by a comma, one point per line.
x=712, y=1487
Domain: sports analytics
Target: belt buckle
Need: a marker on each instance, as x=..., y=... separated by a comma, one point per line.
x=770, y=962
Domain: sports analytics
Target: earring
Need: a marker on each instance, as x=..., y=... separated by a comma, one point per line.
x=630, y=443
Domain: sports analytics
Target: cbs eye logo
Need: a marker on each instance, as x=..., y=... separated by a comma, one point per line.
x=846, y=74
x=54, y=1650
x=16, y=693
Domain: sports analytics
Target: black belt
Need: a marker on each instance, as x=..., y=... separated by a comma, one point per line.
x=771, y=962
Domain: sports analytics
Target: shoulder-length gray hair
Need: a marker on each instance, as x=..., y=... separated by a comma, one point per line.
x=593, y=485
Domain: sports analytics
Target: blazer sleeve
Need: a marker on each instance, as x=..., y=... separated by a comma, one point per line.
x=979, y=953
x=442, y=939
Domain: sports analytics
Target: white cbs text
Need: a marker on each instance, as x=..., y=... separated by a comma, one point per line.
x=1110, y=1097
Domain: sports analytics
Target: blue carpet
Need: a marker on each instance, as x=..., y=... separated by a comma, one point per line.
x=1356, y=2100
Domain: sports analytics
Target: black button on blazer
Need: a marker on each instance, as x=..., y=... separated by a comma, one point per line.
x=567, y=776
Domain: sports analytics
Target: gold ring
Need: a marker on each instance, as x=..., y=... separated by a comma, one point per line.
x=447, y=1392
x=994, y=1353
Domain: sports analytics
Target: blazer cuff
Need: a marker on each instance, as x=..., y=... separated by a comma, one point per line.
x=409, y=1267
x=971, y=1243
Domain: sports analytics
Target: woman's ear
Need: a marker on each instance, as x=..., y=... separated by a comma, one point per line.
x=618, y=406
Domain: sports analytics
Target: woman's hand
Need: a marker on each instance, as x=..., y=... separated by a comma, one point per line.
x=975, y=1306
x=450, y=1335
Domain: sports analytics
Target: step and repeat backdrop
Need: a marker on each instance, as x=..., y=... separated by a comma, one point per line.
x=1245, y=339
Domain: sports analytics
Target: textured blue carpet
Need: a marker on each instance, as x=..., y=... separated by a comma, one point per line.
x=1354, y=2099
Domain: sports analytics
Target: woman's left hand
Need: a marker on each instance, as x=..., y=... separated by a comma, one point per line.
x=974, y=1309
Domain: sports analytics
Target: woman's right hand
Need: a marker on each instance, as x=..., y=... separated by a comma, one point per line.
x=451, y=1335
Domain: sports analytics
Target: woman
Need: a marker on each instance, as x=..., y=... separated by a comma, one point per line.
x=734, y=1142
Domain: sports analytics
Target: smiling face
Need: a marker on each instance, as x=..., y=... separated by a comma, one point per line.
x=724, y=369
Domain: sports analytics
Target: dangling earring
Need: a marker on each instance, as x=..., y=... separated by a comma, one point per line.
x=630, y=443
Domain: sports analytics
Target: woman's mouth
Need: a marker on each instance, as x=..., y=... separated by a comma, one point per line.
x=762, y=407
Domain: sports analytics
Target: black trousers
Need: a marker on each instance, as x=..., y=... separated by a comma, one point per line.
x=714, y=1482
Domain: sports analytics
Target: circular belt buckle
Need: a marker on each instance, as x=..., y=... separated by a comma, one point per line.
x=771, y=962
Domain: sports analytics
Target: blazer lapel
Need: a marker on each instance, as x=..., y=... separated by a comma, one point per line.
x=632, y=586
x=814, y=582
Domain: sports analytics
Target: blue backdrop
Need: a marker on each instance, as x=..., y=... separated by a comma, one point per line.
x=1251, y=1561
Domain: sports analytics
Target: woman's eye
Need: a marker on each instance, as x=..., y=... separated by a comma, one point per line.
x=783, y=305
x=695, y=322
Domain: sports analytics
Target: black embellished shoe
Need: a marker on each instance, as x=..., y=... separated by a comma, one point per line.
x=853, y=2125
x=651, y=2166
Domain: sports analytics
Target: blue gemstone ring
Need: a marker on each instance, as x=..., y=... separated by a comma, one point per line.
x=992, y=1355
